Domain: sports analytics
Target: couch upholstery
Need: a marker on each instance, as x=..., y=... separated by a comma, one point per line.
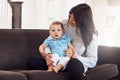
x=18, y=45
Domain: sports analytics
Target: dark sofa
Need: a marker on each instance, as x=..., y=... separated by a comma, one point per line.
x=18, y=45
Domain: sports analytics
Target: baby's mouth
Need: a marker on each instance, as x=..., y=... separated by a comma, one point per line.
x=56, y=35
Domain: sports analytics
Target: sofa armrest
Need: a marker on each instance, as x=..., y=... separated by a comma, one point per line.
x=102, y=72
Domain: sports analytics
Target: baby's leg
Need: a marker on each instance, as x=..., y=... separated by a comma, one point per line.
x=55, y=58
x=63, y=61
x=50, y=68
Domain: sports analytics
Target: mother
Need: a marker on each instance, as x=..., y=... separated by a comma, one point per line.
x=80, y=27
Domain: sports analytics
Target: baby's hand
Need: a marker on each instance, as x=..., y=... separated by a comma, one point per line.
x=69, y=53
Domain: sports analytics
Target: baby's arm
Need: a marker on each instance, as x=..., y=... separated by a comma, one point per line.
x=42, y=50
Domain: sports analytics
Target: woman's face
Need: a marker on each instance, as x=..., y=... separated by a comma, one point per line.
x=72, y=20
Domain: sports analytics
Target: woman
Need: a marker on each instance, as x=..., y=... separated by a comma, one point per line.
x=80, y=27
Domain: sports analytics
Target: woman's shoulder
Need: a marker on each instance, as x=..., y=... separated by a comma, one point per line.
x=67, y=37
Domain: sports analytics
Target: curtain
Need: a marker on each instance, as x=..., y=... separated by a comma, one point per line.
x=5, y=15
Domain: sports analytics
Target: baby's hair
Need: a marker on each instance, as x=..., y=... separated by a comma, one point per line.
x=57, y=23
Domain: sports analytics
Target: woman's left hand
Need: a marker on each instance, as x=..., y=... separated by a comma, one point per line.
x=69, y=53
x=48, y=59
x=75, y=53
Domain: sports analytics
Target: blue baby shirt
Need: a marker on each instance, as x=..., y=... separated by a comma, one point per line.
x=58, y=46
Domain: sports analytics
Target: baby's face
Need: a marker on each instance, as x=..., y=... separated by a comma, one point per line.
x=56, y=31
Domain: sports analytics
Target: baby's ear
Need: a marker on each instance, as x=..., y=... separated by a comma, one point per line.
x=49, y=31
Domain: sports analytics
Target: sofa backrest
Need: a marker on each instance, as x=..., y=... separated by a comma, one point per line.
x=109, y=55
x=17, y=45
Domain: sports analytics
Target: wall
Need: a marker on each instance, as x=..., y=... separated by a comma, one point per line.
x=106, y=17
x=37, y=14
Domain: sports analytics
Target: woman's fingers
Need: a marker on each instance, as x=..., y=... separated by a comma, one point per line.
x=49, y=59
x=69, y=53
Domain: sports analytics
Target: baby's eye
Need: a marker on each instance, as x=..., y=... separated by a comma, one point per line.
x=59, y=30
x=53, y=30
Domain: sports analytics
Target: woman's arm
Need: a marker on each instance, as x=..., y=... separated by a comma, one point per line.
x=91, y=55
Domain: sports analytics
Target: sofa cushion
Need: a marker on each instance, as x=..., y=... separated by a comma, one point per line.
x=103, y=72
x=44, y=75
x=9, y=75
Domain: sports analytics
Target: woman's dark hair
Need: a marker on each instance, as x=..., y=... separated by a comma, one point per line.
x=84, y=22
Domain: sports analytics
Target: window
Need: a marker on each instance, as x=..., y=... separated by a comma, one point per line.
x=106, y=14
x=5, y=14
x=37, y=14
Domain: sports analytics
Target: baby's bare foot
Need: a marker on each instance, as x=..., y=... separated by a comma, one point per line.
x=50, y=70
x=55, y=69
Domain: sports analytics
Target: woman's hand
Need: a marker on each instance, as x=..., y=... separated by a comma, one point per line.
x=75, y=53
x=48, y=59
x=69, y=53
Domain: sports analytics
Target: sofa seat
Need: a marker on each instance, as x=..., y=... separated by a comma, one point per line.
x=11, y=75
x=44, y=75
x=100, y=72
x=103, y=72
